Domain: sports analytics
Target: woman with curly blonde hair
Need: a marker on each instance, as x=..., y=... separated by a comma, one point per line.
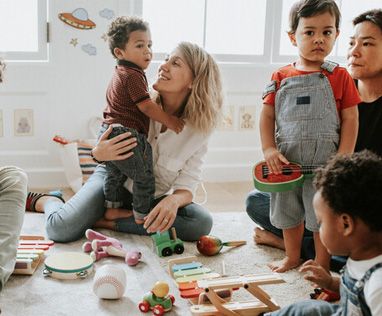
x=188, y=86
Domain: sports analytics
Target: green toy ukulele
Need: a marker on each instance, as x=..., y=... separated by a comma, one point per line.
x=292, y=176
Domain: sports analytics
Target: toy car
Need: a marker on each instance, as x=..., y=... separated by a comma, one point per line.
x=167, y=243
x=157, y=300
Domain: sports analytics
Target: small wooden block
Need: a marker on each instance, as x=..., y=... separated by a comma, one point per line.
x=42, y=247
x=187, y=285
x=191, y=293
x=186, y=266
x=31, y=237
x=36, y=242
x=190, y=272
x=254, y=307
x=198, y=277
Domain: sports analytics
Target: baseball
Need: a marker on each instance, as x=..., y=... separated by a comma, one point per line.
x=109, y=282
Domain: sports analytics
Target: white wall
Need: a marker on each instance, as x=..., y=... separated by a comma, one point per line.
x=69, y=89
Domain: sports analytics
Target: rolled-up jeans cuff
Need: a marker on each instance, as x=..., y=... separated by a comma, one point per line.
x=139, y=215
x=113, y=204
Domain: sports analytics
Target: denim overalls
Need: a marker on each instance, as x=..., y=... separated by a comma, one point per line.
x=308, y=133
x=353, y=301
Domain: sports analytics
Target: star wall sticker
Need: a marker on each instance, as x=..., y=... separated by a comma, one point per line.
x=104, y=37
x=74, y=42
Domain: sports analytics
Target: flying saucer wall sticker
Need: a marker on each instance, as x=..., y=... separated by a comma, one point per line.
x=78, y=18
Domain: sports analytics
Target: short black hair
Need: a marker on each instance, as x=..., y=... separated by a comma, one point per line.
x=352, y=184
x=121, y=28
x=373, y=16
x=308, y=8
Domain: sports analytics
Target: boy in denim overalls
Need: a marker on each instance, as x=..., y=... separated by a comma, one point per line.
x=312, y=102
x=348, y=205
x=129, y=109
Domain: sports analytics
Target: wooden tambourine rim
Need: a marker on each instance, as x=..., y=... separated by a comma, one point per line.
x=66, y=272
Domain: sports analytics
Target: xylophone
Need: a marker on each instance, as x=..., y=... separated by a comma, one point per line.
x=30, y=253
x=187, y=272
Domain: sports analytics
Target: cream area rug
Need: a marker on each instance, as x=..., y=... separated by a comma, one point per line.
x=39, y=295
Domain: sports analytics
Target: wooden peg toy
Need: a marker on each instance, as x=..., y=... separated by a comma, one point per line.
x=210, y=245
x=158, y=300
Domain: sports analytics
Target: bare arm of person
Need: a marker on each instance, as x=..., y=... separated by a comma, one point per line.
x=267, y=133
x=155, y=112
x=117, y=148
x=163, y=215
x=349, y=130
x=319, y=276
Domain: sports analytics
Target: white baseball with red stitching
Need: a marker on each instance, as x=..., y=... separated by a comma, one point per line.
x=109, y=282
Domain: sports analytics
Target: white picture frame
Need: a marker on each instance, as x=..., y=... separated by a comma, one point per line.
x=23, y=122
x=228, y=119
x=247, y=118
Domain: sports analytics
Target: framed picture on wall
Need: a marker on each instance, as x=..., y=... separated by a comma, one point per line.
x=227, y=122
x=247, y=116
x=1, y=123
x=23, y=122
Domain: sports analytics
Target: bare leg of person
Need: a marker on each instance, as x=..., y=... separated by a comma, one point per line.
x=40, y=203
x=322, y=255
x=292, y=240
x=267, y=238
x=116, y=213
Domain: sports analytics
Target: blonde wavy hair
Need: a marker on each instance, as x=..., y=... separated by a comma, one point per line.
x=203, y=105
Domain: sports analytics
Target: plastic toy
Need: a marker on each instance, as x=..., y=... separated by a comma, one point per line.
x=210, y=245
x=167, y=243
x=261, y=304
x=324, y=295
x=102, y=246
x=158, y=300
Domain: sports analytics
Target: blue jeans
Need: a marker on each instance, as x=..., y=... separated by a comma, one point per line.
x=257, y=207
x=307, y=308
x=138, y=167
x=68, y=222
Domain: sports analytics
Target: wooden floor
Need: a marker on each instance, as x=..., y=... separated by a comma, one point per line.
x=221, y=197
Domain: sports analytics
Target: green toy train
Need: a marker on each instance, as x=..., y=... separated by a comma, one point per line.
x=166, y=243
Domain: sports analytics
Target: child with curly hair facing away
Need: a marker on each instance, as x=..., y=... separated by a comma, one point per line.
x=348, y=205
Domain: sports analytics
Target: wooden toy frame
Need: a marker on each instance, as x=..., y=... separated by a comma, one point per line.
x=262, y=303
x=214, y=289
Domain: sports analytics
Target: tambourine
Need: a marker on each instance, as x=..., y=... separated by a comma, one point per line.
x=68, y=265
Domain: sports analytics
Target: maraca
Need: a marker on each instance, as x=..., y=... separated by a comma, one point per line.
x=211, y=245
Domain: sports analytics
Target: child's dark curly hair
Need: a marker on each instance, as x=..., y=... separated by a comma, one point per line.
x=121, y=28
x=352, y=184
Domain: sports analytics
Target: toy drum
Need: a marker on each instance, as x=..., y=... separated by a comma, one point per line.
x=68, y=266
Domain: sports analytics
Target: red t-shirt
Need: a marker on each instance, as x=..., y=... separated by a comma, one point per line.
x=127, y=87
x=344, y=90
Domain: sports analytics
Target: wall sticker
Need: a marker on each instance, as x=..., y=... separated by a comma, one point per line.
x=79, y=19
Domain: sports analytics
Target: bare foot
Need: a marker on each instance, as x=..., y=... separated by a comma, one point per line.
x=116, y=213
x=264, y=237
x=284, y=265
x=104, y=223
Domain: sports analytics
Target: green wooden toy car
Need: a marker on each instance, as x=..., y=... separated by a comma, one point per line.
x=167, y=243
